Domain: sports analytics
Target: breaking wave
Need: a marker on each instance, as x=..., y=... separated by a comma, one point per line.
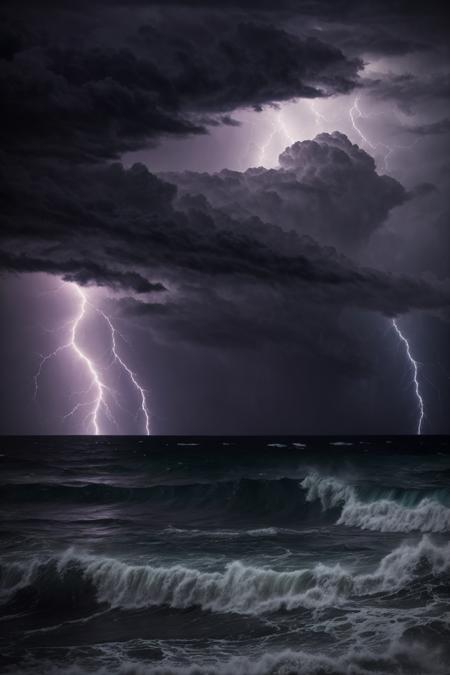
x=316, y=499
x=388, y=512
x=76, y=579
x=401, y=658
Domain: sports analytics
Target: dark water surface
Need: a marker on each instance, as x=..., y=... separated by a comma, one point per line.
x=229, y=556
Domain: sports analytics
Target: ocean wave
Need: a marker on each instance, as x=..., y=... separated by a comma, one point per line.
x=280, y=497
x=383, y=512
x=192, y=533
x=397, y=659
x=269, y=502
x=74, y=578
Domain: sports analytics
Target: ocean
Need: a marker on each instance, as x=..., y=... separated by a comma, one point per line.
x=225, y=556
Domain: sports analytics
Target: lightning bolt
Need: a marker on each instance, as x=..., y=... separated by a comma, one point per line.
x=355, y=114
x=129, y=372
x=279, y=128
x=318, y=116
x=415, y=372
x=282, y=126
x=97, y=384
x=263, y=148
x=99, y=403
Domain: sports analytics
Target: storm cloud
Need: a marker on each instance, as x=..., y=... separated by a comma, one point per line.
x=135, y=230
x=296, y=262
x=327, y=188
x=98, y=93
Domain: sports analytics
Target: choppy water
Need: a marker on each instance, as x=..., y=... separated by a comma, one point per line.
x=225, y=556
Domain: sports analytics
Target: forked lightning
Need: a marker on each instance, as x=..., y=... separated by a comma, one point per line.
x=98, y=403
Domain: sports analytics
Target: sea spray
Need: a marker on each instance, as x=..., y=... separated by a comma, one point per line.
x=382, y=513
x=238, y=588
x=402, y=658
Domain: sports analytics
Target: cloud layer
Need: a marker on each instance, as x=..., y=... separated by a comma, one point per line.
x=101, y=91
x=281, y=260
x=134, y=230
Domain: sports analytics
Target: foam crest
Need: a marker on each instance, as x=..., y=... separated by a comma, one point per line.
x=16, y=576
x=238, y=588
x=382, y=514
x=413, y=659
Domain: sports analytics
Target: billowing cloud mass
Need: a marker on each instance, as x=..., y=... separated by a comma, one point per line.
x=228, y=261
x=97, y=98
x=133, y=229
x=327, y=188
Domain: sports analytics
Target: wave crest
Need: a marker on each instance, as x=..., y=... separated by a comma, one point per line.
x=238, y=588
x=414, y=659
x=383, y=514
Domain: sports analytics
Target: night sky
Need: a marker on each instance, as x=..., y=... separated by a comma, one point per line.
x=245, y=194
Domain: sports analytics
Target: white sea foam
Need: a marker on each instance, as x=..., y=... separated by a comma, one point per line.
x=340, y=443
x=241, y=588
x=414, y=660
x=411, y=659
x=14, y=577
x=192, y=533
x=384, y=515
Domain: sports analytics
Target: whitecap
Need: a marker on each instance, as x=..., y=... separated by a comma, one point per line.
x=240, y=588
x=381, y=514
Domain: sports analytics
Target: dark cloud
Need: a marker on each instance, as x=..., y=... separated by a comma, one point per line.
x=221, y=317
x=408, y=90
x=255, y=321
x=432, y=128
x=88, y=85
x=362, y=27
x=95, y=95
x=278, y=266
x=83, y=272
x=376, y=28
x=106, y=224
